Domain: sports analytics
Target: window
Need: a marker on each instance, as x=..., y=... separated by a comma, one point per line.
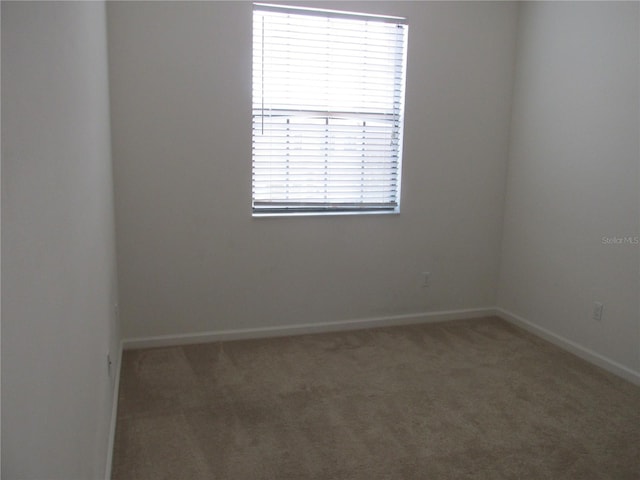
x=328, y=105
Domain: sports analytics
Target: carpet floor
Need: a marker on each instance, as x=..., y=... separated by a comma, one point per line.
x=472, y=399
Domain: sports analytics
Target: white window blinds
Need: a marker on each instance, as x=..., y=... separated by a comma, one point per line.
x=328, y=102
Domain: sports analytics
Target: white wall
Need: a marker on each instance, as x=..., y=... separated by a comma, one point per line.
x=58, y=261
x=190, y=256
x=573, y=176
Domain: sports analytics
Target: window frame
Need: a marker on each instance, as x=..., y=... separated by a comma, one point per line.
x=263, y=208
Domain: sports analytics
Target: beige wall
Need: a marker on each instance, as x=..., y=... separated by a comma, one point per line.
x=58, y=259
x=191, y=257
x=573, y=176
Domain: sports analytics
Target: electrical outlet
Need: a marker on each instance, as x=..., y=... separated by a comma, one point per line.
x=426, y=279
x=598, y=307
x=109, y=364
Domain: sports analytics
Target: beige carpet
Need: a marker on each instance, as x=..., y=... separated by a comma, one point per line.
x=470, y=399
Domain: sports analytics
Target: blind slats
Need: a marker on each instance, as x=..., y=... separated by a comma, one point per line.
x=328, y=99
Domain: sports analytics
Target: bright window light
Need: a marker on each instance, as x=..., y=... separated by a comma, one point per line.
x=328, y=104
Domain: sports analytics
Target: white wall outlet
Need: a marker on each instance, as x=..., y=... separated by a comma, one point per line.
x=109, y=364
x=426, y=279
x=598, y=307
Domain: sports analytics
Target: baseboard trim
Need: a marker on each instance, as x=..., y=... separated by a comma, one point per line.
x=356, y=324
x=301, y=329
x=114, y=415
x=582, y=352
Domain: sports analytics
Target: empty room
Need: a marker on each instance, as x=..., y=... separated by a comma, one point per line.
x=320, y=240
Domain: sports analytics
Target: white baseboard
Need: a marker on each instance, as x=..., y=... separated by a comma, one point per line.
x=356, y=324
x=114, y=415
x=301, y=329
x=576, y=349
